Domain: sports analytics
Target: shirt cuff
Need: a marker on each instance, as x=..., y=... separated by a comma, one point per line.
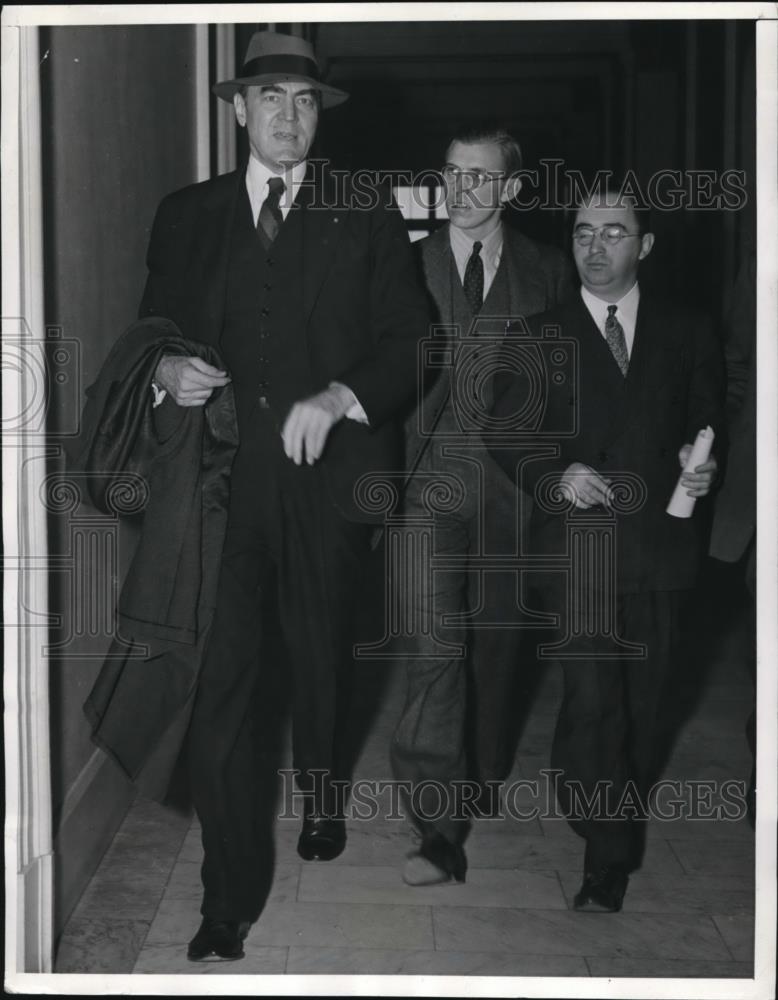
x=159, y=395
x=355, y=410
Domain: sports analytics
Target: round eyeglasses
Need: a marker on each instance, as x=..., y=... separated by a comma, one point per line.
x=468, y=180
x=611, y=235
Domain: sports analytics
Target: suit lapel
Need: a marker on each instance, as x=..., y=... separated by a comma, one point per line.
x=526, y=291
x=438, y=261
x=440, y=273
x=600, y=383
x=648, y=360
x=212, y=250
x=321, y=231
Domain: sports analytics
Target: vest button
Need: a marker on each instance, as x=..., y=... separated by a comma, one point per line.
x=263, y=361
x=266, y=288
x=265, y=312
x=269, y=261
x=263, y=384
x=263, y=403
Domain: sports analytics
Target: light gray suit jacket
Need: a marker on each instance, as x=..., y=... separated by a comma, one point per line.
x=539, y=277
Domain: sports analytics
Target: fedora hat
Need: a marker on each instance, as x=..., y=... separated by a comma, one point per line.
x=273, y=57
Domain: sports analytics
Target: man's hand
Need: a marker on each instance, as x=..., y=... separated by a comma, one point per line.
x=698, y=481
x=190, y=381
x=310, y=422
x=585, y=486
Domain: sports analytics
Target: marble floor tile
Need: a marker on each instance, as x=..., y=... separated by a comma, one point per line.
x=667, y=968
x=738, y=932
x=537, y=932
x=146, y=814
x=319, y=924
x=129, y=854
x=715, y=857
x=175, y=922
x=559, y=829
x=95, y=946
x=385, y=962
x=184, y=883
x=493, y=850
x=111, y=895
x=649, y=892
x=555, y=853
x=483, y=887
x=344, y=925
x=170, y=959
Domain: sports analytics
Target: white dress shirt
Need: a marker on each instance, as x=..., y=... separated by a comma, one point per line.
x=626, y=312
x=257, y=177
x=491, y=252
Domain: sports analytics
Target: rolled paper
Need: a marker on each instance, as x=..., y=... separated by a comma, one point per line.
x=681, y=504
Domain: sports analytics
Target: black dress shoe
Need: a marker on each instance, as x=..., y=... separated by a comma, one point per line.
x=218, y=941
x=602, y=891
x=322, y=838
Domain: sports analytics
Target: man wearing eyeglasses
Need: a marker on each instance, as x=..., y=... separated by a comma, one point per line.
x=650, y=377
x=479, y=272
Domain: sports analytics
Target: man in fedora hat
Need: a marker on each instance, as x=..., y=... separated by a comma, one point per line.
x=314, y=306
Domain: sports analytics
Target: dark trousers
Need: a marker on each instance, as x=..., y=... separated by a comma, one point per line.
x=451, y=730
x=282, y=529
x=606, y=732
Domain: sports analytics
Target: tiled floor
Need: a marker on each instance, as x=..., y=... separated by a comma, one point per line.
x=688, y=911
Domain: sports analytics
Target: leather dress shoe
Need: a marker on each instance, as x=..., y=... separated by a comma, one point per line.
x=322, y=838
x=218, y=941
x=602, y=891
x=437, y=862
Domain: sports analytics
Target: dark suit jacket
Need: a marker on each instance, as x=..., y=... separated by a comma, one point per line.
x=364, y=306
x=734, y=522
x=674, y=387
x=539, y=277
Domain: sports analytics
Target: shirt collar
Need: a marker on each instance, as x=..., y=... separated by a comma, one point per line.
x=462, y=244
x=257, y=176
x=626, y=311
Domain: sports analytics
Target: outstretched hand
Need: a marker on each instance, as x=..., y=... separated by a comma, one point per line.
x=310, y=421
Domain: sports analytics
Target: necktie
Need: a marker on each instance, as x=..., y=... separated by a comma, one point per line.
x=474, y=280
x=270, y=217
x=614, y=334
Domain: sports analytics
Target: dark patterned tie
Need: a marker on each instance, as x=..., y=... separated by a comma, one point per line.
x=614, y=334
x=270, y=217
x=474, y=280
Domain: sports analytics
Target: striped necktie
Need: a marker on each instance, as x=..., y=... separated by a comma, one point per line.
x=614, y=334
